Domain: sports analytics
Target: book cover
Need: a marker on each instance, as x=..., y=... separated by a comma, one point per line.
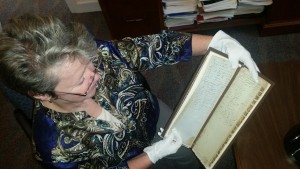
x=215, y=105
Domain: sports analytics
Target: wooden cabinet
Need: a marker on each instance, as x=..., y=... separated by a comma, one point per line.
x=139, y=17
x=132, y=17
x=283, y=16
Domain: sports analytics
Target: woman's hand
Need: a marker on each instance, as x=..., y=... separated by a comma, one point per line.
x=169, y=145
x=236, y=52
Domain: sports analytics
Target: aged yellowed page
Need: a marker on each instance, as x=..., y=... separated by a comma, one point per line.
x=215, y=105
x=202, y=95
x=238, y=103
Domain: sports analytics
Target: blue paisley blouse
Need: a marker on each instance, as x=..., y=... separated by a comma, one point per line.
x=77, y=140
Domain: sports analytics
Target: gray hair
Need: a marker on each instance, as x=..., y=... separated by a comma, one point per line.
x=31, y=45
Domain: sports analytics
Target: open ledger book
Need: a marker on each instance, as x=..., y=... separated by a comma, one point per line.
x=215, y=105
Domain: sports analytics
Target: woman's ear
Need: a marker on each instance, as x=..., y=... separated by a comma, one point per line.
x=43, y=97
x=38, y=96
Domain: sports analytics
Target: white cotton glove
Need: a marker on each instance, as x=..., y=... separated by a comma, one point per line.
x=235, y=51
x=169, y=145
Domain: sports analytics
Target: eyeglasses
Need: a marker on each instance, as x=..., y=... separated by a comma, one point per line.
x=84, y=94
x=80, y=94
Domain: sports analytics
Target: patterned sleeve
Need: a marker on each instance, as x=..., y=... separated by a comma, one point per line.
x=151, y=51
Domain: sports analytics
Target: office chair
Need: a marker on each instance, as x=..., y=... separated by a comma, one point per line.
x=23, y=108
x=23, y=111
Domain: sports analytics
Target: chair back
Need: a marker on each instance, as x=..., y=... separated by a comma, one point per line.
x=18, y=100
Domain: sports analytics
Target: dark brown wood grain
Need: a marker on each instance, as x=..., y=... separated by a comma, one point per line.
x=260, y=143
x=132, y=17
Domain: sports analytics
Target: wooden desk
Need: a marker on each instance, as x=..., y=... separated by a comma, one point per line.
x=259, y=144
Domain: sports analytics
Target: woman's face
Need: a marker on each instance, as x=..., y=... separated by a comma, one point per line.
x=77, y=80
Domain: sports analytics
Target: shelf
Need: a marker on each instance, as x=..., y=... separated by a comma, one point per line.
x=280, y=27
x=236, y=21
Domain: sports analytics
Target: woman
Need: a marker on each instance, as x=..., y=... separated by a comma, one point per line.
x=93, y=108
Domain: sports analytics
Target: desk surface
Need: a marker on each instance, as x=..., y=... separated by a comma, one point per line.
x=259, y=144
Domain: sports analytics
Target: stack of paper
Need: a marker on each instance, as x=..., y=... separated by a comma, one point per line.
x=216, y=16
x=220, y=10
x=179, y=12
x=252, y=6
x=215, y=10
x=180, y=19
x=217, y=5
x=187, y=12
x=248, y=9
x=256, y=2
x=179, y=6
